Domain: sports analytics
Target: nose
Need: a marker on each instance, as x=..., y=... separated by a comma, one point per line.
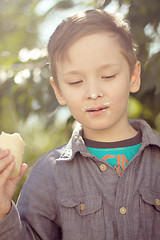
x=95, y=96
x=93, y=91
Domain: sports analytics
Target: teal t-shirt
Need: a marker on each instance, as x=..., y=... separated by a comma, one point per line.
x=117, y=154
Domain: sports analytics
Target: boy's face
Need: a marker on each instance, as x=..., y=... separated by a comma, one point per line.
x=95, y=83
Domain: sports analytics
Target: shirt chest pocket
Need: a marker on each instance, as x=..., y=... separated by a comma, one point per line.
x=151, y=197
x=150, y=212
x=82, y=217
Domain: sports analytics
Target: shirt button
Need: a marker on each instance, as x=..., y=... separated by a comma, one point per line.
x=157, y=202
x=123, y=210
x=82, y=207
x=103, y=167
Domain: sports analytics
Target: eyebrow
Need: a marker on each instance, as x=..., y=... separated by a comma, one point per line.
x=73, y=72
x=109, y=65
x=103, y=66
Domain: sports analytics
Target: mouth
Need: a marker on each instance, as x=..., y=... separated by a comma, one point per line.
x=96, y=109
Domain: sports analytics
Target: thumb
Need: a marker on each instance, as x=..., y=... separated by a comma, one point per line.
x=23, y=170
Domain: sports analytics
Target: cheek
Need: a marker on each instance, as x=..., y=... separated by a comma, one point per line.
x=120, y=103
x=73, y=102
x=121, y=95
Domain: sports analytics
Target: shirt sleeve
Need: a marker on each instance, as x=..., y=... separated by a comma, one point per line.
x=34, y=217
x=10, y=223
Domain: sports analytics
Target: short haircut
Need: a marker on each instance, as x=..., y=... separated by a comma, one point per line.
x=86, y=23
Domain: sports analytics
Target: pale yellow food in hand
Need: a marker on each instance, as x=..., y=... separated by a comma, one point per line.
x=15, y=144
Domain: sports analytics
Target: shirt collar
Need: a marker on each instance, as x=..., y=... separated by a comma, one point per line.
x=149, y=137
x=76, y=143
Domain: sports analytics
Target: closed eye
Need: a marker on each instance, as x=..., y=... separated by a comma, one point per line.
x=108, y=77
x=75, y=83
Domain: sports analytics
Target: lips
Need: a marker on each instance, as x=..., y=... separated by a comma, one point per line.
x=96, y=109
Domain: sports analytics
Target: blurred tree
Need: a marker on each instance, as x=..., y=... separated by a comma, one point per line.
x=24, y=73
x=144, y=20
x=18, y=23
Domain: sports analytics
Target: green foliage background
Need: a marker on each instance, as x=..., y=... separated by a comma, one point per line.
x=27, y=103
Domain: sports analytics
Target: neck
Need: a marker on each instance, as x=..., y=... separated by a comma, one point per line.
x=111, y=135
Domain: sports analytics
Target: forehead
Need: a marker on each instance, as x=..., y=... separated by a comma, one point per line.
x=62, y=55
x=87, y=42
x=101, y=50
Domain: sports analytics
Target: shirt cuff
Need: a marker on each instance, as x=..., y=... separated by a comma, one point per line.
x=10, y=222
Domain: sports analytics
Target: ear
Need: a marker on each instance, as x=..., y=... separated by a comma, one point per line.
x=136, y=78
x=57, y=92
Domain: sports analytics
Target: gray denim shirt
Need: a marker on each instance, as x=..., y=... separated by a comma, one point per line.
x=72, y=195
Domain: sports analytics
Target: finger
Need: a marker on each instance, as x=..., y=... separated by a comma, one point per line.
x=4, y=153
x=4, y=175
x=24, y=168
x=5, y=161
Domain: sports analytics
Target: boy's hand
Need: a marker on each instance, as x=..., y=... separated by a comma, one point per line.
x=8, y=185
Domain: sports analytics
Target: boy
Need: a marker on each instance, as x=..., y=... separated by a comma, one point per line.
x=103, y=184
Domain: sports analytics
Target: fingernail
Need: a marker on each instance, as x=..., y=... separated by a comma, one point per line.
x=11, y=157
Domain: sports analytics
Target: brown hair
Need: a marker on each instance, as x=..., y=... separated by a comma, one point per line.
x=85, y=23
